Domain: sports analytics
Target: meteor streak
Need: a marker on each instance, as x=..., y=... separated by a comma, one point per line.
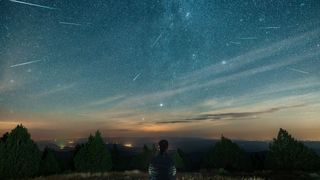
x=136, y=77
x=298, y=70
x=70, y=23
x=31, y=4
x=25, y=63
x=155, y=42
x=271, y=27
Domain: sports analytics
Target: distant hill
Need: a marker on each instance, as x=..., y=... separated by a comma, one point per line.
x=187, y=144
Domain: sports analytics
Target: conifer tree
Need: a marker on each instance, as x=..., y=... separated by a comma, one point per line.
x=286, y=153
x=93, y=156
x=142, y=160
x=178, y=161
x=19, y=155
x=228, y=155
x=49, y=163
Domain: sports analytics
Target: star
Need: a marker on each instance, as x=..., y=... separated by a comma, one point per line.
x=187, y=14
x=223, y=62
x=161, y=104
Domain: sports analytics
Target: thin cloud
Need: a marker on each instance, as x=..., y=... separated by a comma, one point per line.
x=229, y=115
x=250, y=57
x=54, y=90
x=207, y=77
x=103, y=101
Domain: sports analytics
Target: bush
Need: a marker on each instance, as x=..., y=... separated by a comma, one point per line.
x=93, y=156
x=227, y=155
x=19, y=155
x=286, y=153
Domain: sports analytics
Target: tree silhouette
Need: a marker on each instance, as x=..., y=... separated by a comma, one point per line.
x=115, y=157
x=178, y=161
x=228, y=155
x=286, y=153
x=142, y=160
x=49, y=163
x=4, y=137
x=19, y=155
x=93, y=156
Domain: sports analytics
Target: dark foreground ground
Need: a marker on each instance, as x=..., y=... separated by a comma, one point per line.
x=136, y=175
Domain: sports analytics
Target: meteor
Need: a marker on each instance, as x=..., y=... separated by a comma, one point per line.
x=25, y=63
x=298, y=70
x=155, y=42
x=136, y=77
x=70, y=23
x=31, y=4
x=248, y=38
x=271, y=27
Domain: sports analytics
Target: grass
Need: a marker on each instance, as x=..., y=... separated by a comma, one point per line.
x=136, y=175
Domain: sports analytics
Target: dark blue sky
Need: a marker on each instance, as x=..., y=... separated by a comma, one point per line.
x=154, y=67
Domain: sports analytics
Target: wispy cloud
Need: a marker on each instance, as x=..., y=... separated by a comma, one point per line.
x=229, y=116
x=219, y=74
x=54, y=90
x=249, y=57
x=103, y=101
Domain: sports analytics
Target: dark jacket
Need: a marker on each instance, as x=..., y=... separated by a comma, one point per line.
x=162, y=168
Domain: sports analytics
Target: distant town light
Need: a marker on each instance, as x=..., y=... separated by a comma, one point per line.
x=128, y=145
x=61, y=146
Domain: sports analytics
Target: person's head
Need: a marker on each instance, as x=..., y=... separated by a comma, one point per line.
x=163, y=145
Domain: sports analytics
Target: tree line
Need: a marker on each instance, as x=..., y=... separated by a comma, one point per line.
x=20, y=156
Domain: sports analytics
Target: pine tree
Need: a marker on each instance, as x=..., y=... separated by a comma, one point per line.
x=19, y=155
x=115, y=157
x=228, y=155
x=286, y=153
x=93, y=156
x=49, y=163
x=178, y=160
x=142, y=160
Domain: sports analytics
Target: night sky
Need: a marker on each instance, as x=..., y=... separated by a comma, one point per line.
x=178, y=68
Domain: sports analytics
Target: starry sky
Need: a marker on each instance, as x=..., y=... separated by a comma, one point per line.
x=178, y=68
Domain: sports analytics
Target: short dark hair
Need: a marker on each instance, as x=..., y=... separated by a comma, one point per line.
x=163, y=144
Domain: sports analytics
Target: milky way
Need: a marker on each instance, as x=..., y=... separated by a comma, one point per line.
x=160, y=67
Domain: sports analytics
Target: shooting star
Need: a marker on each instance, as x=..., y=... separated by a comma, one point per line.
x=298, y=70
x=234, y=42
x=69, y=23
x=155, y=42
x=136, y=77
x=31, y=4
x=248, y=38
x=271, y=27
x=25, y=63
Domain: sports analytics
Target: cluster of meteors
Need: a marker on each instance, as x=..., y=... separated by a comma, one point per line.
x=160, y=68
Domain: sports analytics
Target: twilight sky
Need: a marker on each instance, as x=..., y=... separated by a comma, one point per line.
x=160, y=68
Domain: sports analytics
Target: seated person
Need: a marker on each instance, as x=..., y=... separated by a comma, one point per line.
x=162, y=166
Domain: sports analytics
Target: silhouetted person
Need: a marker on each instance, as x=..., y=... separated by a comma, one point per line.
x=162, y=166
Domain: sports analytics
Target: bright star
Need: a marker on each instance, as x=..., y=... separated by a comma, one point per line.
x=223, y=62
x=161, y=105
x=187, y=14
